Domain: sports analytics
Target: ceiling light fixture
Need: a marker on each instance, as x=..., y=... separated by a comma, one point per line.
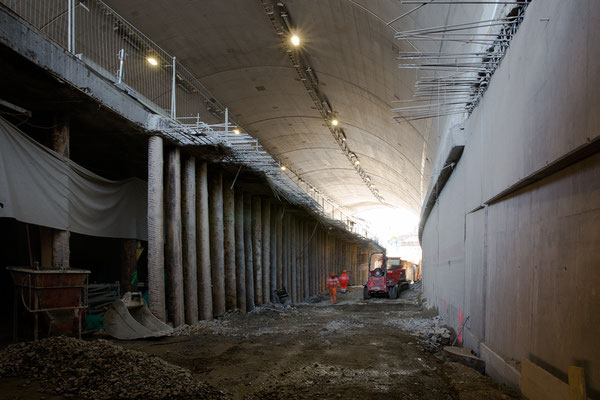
x=295, y=40
x=334, y=122
x=356, y=162
x=283, y=168
x=152, y=61
x=236, y=131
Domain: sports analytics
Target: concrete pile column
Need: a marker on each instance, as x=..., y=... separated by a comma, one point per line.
x=217, y=255
x=61, y=251
x=274, y=265
x=240, y=254
x=156, y=240
x=285, y=252
x=306, y=259
x=229, y=236
x=128, y=265
x=173, y=248
x=190, y=275
x=293, y=260
x=257, y=249
x=266, y=250
x=248, y=246
x=299, y=259
x=205, y=304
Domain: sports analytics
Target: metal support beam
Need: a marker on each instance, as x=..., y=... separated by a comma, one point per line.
x=274, y=267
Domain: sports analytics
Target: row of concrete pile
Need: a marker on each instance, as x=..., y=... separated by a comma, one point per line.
x=223, y=248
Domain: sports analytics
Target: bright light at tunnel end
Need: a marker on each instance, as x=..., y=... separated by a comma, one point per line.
x=396, y=230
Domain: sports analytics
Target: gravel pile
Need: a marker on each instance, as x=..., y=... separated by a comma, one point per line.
x=432, y=332
x=100, y=370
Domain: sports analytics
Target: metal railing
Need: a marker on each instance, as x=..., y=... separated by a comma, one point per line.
x=99, y=36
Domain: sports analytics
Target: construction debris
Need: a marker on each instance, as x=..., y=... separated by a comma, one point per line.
x=100, y=370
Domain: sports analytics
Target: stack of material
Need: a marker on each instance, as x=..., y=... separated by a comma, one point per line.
x=100, y=370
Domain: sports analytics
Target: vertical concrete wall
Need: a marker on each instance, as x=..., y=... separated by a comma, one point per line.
x=523, y=267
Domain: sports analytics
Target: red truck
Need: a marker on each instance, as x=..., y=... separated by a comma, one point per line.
x=387, y=276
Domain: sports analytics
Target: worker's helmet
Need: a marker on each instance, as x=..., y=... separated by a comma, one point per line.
x=344, y=271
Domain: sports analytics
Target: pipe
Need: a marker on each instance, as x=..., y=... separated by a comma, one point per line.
x=173, y=248
x=248, y=250
x=205, y=303
x=257, y=249
x=240, y=254
x=190, y=268
x=266, y=250
x=217, y=256
x=156, y=241
x=229, y=245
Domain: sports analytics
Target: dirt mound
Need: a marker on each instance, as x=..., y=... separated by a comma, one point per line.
x=100, y=370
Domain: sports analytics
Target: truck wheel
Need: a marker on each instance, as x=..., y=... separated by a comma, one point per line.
x=366, y=294
x=394, y=293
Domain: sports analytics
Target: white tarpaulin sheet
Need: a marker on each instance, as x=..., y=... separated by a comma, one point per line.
x=39, y=186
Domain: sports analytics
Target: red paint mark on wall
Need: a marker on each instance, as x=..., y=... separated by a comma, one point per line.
x=460, y=320
x=444, y=303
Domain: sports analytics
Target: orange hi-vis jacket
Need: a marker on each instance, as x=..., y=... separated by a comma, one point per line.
x=332, y=283
x=344, y=279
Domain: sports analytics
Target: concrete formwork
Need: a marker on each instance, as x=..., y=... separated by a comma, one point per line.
x=257, y=248
x=524, y=196
x=205, y=303
x=248, y=246
x=217, y=256
x=173, y=247
x=229, y=244
x=240, y=253
x=188, y=206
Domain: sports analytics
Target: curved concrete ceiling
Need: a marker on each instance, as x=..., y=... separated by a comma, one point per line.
x=233, y=48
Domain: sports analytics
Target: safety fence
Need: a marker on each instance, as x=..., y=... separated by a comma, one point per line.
x=95, y=33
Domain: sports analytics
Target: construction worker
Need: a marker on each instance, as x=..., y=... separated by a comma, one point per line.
x=332, y=284
x=344, y=280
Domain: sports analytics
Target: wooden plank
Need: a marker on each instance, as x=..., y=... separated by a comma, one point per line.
x=576, y=383
x=538, y=384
